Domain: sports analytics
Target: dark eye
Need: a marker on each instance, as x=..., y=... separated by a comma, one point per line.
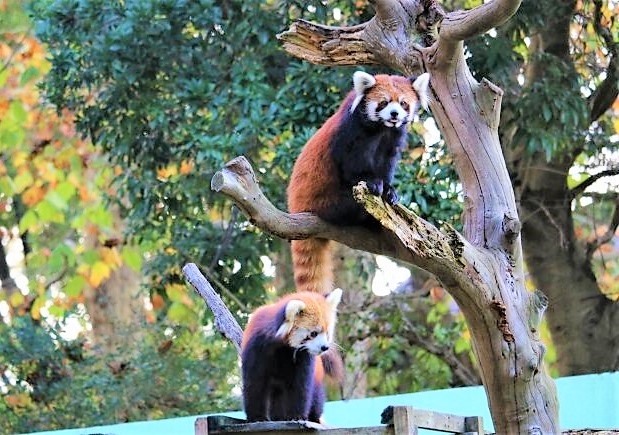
x=404, y=105
x=381, y=105
x=313, y=334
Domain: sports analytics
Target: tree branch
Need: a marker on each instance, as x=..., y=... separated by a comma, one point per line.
x=224, y=321
x=405, y=236
x=462, y=25
x=608, y=235
x=607, y=91
x=580, y=188
x=327, y=45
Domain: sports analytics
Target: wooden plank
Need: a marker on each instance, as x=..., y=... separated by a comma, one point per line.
x=219, y=424
x=438, y=421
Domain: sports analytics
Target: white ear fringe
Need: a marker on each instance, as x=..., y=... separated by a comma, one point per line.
x=334, y=298
x=293, y=307
x=421, y=85
x=362, y=81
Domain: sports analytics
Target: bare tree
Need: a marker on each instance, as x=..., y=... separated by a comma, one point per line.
x=482, y=268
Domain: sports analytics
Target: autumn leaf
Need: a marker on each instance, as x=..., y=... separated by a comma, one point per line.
x=186, y=167
x=416, y=153
x=99, y=272
x=165, y=173
x=111, y=257
x=157, y=301
x=16, y=299
x=33, y=195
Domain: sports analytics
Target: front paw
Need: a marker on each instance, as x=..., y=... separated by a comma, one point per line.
x=375, y=187
x=390, y=196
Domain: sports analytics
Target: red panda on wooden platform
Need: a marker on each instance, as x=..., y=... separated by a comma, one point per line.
x=362, y=141
x=285, y=353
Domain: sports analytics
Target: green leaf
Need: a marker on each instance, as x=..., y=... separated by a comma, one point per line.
x=57, y=311
x=30, y=74
x=132, y=257
x=56, y=200
x=182, y=314
x=28, y=221
x=22, y=181
x=461, y=345
x=17, y=114
x=547, y=113
x=48, y=212
x=74, y=286
x=65, y=190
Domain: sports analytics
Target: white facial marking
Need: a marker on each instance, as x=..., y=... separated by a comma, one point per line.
x=318, y=344
x=393, y=115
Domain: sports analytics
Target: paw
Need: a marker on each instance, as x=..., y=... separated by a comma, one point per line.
x=390, y=196
x=375, y=187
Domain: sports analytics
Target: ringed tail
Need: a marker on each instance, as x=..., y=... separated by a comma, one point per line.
x=313, y=266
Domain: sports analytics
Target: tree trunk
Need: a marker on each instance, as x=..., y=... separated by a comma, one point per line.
x=583, y=322
x=483, y=270
x=115, y=307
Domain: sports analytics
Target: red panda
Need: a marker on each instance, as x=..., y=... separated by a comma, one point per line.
x=362, y=141
x=287, y=349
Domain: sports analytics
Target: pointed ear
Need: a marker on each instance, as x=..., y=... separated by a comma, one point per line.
x=421, y=85
x=362, y=81
x=293, y=308
x=334, y=298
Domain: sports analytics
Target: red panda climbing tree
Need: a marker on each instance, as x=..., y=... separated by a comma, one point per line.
x=481, y=268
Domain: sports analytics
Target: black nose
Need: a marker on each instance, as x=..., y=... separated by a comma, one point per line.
x=394, y=114
x=324, y=348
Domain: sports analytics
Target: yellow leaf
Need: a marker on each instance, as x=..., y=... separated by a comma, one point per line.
x=35, y=311
x=417, y=153
x=16, y=299
x=19, y=159
x=98, y=273
x=167, y=172
x=111, y=257
x=176, y=291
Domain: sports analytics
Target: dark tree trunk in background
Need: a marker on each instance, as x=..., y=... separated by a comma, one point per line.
x=584, y=323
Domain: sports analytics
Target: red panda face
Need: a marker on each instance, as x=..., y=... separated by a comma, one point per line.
x=391, y=100
x=309, y=321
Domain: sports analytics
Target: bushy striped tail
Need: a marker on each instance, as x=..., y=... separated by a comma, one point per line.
x=313, y=265
x=333, y=364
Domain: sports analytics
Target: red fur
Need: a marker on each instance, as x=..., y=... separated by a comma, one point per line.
x=319, y=185
x=279, y=380
x=311, y=258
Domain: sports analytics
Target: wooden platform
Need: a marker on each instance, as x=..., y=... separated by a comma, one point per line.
x=396, y=420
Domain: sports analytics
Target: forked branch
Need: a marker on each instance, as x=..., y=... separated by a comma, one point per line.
x=405, y=236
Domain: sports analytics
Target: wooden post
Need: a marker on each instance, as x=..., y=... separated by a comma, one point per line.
x=403, y=421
